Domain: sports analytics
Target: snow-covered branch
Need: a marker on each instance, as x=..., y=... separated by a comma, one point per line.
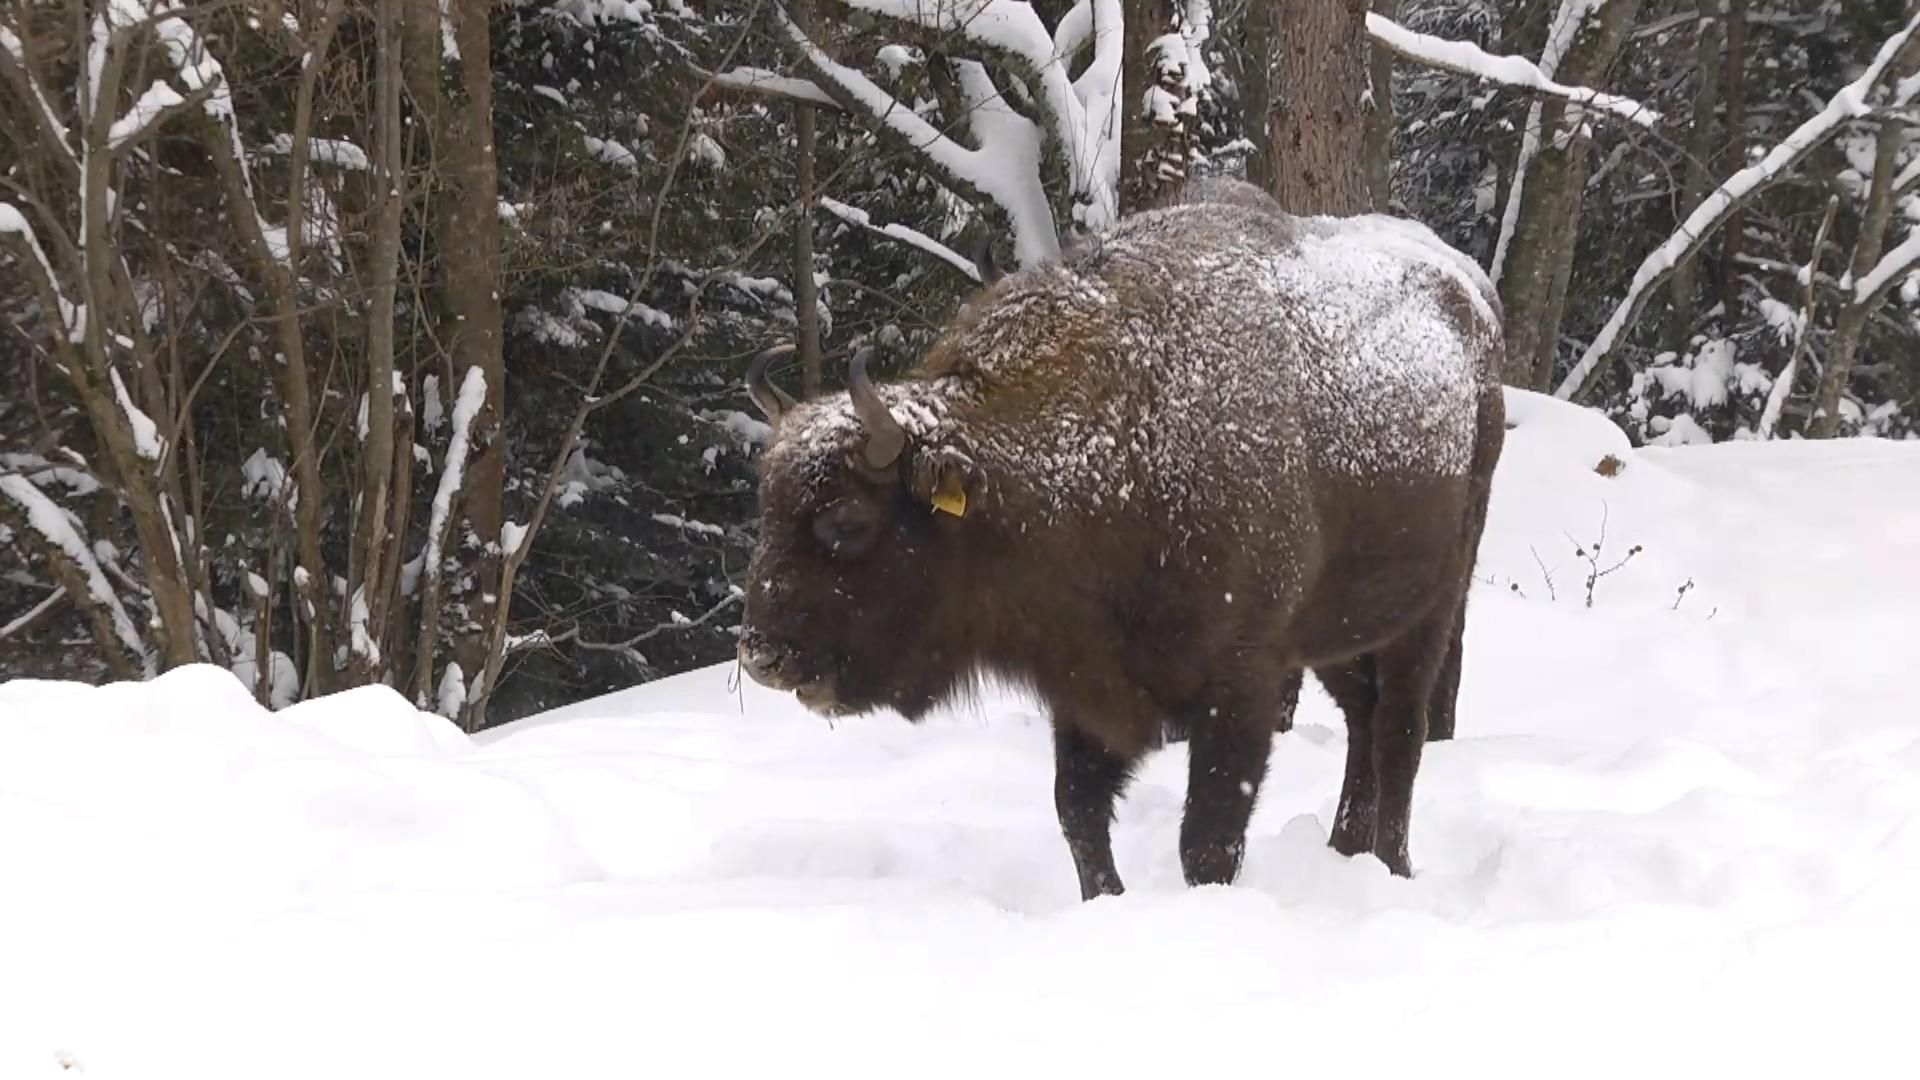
x=28, y=617
x=339, y=153
x=1082, y=116
x=1851, y=103
x=206, y=81
x=89, y=585
x=160, y=103
x=1907, y=179
x=466, y=409
x=773, y=84
x=1466, y=58
x=146, y=434
x=853, y=215
x=14, y=224
x=1074, y=31
x=1894, y=265
x=13, y=64
x=1005, y=170
x=452, y=694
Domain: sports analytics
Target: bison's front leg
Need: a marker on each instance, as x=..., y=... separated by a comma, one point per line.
x=1226, y=762
x=1087, y=779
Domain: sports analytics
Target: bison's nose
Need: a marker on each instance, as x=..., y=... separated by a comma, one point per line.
x=767, y=663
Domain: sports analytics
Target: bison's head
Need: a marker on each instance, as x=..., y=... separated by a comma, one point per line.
x=853, y=597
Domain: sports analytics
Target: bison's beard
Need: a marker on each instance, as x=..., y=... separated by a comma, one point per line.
x=844, y=695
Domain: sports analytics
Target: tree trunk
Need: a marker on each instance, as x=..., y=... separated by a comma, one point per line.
x=1153, y=148
x=375, y=558
x=1541, y=247
x=1317, y=126
x=1563, y=272
x=1380, y=116
x=1706, y=99
x=107, y=394
x=456, y=93
x=1852, y=320
x=310, y=499
x=806, y=294
x=1736, y=92
x=1256, y=90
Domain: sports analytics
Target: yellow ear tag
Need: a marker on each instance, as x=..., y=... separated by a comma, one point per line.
x=951, y=497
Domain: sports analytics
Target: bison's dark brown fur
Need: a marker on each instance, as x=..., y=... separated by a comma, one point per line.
x=1207, y=451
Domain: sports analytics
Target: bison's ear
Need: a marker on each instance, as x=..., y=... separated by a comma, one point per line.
x=945, y=479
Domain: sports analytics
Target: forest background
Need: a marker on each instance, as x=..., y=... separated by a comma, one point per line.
x=402, y=341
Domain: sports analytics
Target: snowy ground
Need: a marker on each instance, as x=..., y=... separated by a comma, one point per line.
x=1668, y=841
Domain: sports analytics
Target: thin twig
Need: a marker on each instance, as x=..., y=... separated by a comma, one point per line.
x=573, y=634
x=32, y=614
x=1544, y=573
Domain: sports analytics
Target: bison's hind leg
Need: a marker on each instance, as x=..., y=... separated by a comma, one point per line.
x=1486, y=458
x=1350, y=685
x=1386, y=696
x=1446, y=688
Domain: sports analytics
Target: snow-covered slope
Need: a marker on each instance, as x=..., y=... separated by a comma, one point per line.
x=1669, y=840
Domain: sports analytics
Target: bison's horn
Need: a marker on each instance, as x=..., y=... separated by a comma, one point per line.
x=770, y=399
x=983, y=262
x=885, y=437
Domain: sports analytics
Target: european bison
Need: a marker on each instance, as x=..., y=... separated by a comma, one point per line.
x=1154, y=482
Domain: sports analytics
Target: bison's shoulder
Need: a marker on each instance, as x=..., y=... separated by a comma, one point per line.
x=1023, y=321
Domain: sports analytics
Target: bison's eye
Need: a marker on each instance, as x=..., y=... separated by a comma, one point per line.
x=847, y=526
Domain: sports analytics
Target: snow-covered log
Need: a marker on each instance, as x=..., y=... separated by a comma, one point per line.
x=1853, y=102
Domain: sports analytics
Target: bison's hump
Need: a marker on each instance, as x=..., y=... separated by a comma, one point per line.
x=1217, y=349
x=1361, y=344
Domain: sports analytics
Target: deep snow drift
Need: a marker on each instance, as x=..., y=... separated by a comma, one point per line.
x=1669, y=839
